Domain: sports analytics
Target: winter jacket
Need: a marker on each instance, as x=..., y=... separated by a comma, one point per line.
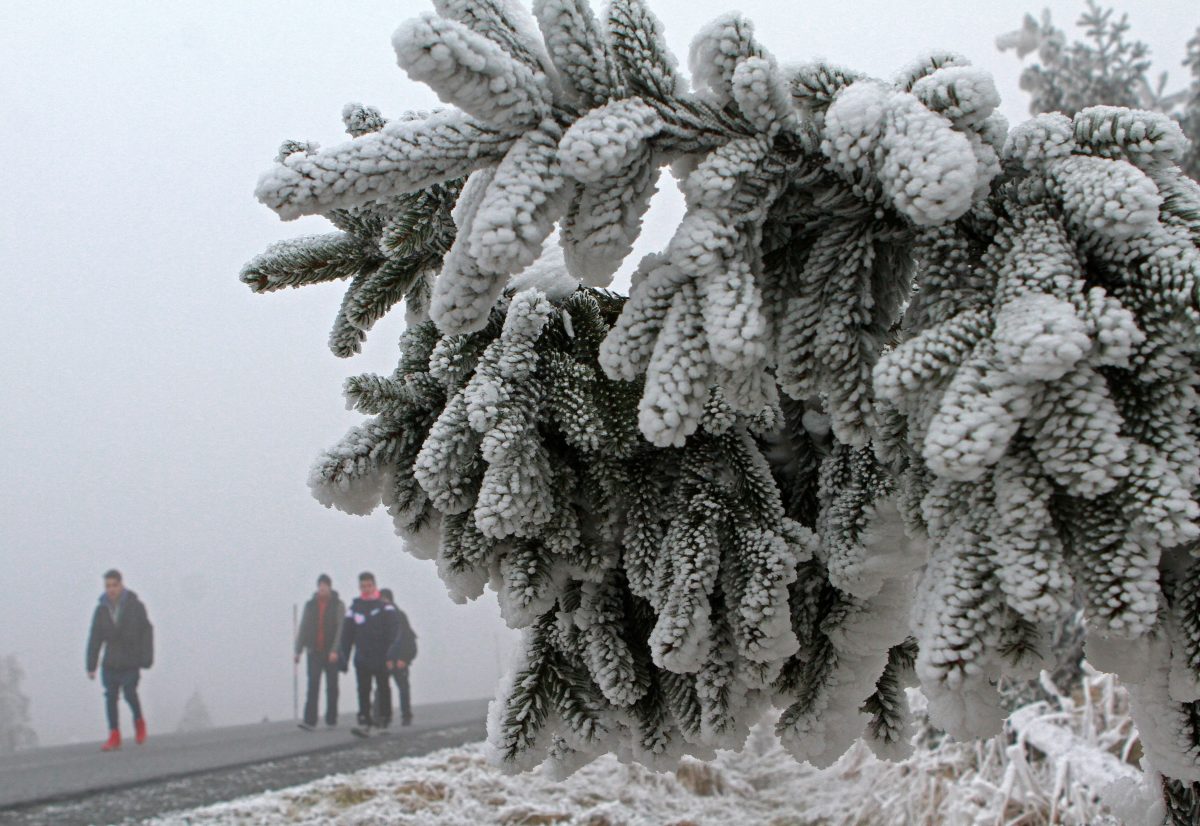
x=127, y=637
x=404, y=647
x=335, y=612
x=369, y=628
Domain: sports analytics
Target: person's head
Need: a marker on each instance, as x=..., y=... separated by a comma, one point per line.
x=113, y=585
x=324, y=585
x=366, y=583
x=386, y=595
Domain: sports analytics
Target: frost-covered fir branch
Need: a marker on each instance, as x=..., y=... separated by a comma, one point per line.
x=893, y=348
x=390, y=250
x=1051, y=409
x=573, y=130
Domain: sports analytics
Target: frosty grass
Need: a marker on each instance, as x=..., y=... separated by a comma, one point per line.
x=998, y=781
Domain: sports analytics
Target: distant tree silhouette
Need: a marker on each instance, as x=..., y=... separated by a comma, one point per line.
x=16, y=731
x=1106, y=67
x=195, y=714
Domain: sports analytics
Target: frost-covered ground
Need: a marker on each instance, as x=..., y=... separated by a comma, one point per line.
x=997, y=782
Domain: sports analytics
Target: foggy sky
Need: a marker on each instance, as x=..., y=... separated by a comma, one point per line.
x=159, y=417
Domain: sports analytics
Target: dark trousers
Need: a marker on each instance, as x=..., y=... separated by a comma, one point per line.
x=118, y=681
x=318, y=665
x=401, y=677
x=378, y=676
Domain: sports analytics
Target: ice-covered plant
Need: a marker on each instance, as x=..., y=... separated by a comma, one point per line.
x=390, y=249
x=892, y=349
x=1106, y=67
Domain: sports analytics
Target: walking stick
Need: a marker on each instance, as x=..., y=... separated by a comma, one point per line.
x=295, y=670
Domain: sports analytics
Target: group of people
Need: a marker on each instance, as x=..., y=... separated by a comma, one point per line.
x=372, y=633
x=383, y=645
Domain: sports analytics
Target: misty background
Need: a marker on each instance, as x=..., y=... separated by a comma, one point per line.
x=160, y=418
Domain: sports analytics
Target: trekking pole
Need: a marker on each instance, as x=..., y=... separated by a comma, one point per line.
x=295, y=671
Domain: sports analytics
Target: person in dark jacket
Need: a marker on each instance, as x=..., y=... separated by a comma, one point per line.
x=399, y=658
x=121, y=626
x=320, y=628
x=369, y=628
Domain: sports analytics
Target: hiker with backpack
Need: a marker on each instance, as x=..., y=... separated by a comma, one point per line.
x=121, y=626
x=399, y=658
x=369, y=629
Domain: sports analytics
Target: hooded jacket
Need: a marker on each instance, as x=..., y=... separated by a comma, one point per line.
x=370, y=628
x=335, y=612
x=124, y=631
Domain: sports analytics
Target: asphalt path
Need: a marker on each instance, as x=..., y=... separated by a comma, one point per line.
x=78, y=784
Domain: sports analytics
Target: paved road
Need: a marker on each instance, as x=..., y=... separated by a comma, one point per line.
x=77, y=784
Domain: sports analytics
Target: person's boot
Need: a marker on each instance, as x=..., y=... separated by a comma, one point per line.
x=140, y=726
x=114, y=741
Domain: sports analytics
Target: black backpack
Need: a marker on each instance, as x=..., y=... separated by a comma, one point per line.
x=146, y=652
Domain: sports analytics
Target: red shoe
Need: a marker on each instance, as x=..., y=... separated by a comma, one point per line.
x=140, y=725
x=114, y=741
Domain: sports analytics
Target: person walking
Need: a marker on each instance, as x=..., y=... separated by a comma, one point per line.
x=400, y=655
x=369, y=629
x=121, y=626
x=320, y=629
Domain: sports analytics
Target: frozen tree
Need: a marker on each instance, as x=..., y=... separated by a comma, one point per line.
x=902, y=386
x=16, y=730
x=1106, y=67
x=1190, y=117
x=195, y=714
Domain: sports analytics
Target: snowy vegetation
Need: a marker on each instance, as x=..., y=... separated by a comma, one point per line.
x=903, y=387
x=943, y=784
x=16, y=731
